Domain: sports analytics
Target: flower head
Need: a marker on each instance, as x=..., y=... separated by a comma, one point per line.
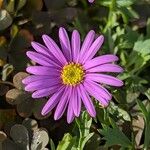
x=70, y=75
x=91, y=1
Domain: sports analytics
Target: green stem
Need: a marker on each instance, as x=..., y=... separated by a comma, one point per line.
x=112, y=8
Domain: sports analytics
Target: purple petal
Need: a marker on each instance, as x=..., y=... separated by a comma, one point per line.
x=106, y=68
x=96, y=93
x=86, y=44
x=75, y=43
x=70, y=114
x=76, y=101
x=104, y=102
x=40, y=70
x=52, y=102
x=98, y=88
x=106, y=79
x=91, y=1
x=40, y=48
x=42, y=84
x=100, y=60
x=55, y=50
x=40, y=59
x=86, y=100
x=33, y=78
x=93, y=49
x=65, y=43
x=45, y=92
x=61, y=107
x=45, y=51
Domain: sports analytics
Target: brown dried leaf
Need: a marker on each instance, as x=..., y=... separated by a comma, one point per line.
x=17, y=80
x=3, y=136
x=14, y=96
x=30, y=124
x=138, y=127
x=40, y=139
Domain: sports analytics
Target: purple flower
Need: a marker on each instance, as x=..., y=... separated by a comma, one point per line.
x=70, y=75
x=91, y=1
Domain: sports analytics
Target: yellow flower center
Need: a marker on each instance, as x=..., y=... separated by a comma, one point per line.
x=72, y=74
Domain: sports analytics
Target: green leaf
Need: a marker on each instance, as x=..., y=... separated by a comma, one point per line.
x=143, y=109
x=106, y=3
x=86, y=140
x=112, y=21
x=118, y=112
x=129, y=38
x=147, y=93
x=84, y=124
x=14, y=31
x=5, y=19
x=52, y=145
x=148, y=28
x=67, y=142
x=125, y=3
x=119, y=3
x=128, y=13
x=142, y=47
x=147, y=124
x=147, y=137
x=11, y=6
x=93, y=143
x=114, y=136
x=21, y=3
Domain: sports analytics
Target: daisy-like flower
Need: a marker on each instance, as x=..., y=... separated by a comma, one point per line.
x=70, y=75
x=91, y=1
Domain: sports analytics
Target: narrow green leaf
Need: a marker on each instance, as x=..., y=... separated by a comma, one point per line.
x=52, y=145
x=148, y=28
x=143, y=109
x=147, y=137
x=21, y=3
